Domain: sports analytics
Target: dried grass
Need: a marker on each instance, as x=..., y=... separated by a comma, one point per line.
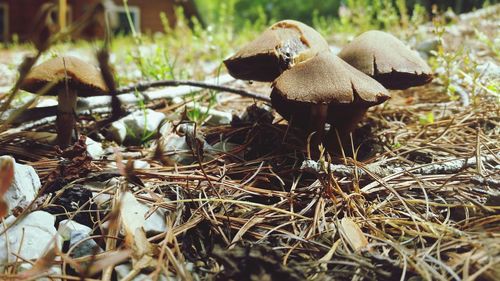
x=272, y=219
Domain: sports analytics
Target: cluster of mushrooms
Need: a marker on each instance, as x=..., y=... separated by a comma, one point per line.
x=311, y=86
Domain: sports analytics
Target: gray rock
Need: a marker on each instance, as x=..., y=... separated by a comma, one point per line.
x=426, y=48
x=135, y=126
x=78, y=234
x=36, y=232
x=84, y=246
x=24, y=186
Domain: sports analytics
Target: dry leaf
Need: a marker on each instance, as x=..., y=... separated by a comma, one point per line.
x=6, y=174
x=41, y=266
x=6, y=178
x=353, y=234
x=3, y=208
x=119, y=162
x=142, y=256
x=133, y=219
x=41, y=137
x=127, y=170
x=109, y=259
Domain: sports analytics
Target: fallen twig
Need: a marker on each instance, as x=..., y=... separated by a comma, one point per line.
x=486, y=181
x=445, y=167
x=126, y=96
x=198, y=84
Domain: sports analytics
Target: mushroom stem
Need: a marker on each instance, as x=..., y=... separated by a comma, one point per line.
x=345, y=121
x=317, y=121
x=65, y=122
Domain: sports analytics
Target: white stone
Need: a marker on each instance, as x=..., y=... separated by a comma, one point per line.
x=24, y=186
x=166, y=128
x=489, y=70
x=124, y=269
x=36, y=232
x=54, y=270
x=428, y=45
x=118, y=131
x=134, y=126
x=101, y=198
x=155, y=223
x=141, y=164
x=226, y=146
x=94, y=148
x=67, y=227
x=138, y=164
x=47, y=101
x=176, y=147
x=179, y=91
x=335, y=49
x=216, y=116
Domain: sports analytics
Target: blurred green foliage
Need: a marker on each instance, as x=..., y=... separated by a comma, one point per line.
x=289, y=9
x=253, y=10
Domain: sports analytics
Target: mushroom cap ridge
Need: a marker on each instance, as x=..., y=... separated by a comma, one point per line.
x=82, y=75
x=276, y=49
x=386, y=59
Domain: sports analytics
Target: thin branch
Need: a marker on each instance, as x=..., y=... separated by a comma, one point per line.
x=126, y=96
x=445, y=167
x=174, y=83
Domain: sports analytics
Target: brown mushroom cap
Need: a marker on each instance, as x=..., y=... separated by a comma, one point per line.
x=278, y=48
x=386, y=59
x=84, y=76
x=324, y=79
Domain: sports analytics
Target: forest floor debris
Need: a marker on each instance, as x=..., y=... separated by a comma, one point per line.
x=238, y=205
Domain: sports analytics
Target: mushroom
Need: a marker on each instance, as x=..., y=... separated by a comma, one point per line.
x=326, y=89
x=281, y=46
x=72, y=77
x=386, y=59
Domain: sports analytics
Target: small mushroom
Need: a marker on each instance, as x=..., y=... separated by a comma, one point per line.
x=283, y=45
x=72, y=78
x=386, y=59
x=325, y=89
